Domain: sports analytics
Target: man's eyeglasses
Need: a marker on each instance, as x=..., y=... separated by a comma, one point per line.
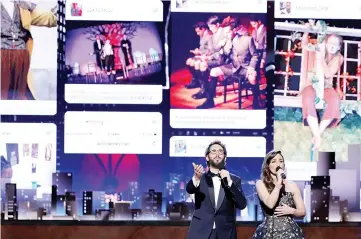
x=214, y=151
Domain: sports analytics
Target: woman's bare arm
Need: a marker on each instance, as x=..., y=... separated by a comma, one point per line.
x=269, y=199
x=333, y=66
x=306, y=45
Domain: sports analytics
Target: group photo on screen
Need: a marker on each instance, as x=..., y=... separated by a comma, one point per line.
x=221, y=64
x=318, y=66
x=115, y=52
x=28, y=50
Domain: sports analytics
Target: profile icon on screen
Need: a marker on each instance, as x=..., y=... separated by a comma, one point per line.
x=285, y=7
x=76, y=10
x=181, y=3
x=180, y=146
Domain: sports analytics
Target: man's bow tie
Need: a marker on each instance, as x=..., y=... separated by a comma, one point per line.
x=213, y=174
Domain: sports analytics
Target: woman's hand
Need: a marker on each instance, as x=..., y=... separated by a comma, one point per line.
x=284, y=210
x=280, y=180
x=340, y=93
x=312, y=22
x=309, y=26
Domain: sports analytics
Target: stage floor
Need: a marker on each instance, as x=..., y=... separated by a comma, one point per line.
x=151, y=230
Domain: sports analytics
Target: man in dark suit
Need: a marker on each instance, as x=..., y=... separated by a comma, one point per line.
x=217, y=195
x=221, y=48
x=259, y=35
x=98, y=51
x=193, y=63
x=126, y=47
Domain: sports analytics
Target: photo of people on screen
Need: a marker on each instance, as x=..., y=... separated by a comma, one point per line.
x=317, y=71
x=114, y=52
x=17, y=18
x=221, y=63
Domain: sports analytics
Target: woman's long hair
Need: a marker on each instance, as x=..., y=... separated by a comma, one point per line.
x=266, y=174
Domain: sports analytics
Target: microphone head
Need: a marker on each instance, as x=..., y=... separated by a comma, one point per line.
x=282, y=174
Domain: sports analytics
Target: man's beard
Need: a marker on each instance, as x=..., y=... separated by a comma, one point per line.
x=219, y=165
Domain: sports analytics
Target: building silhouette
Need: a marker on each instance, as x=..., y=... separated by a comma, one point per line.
x=152, y=204
x=11, y=201
x=320, y=196
x=87, y=203
x=70, y=204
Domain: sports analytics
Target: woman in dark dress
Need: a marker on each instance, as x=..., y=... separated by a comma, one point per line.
x=280, y=200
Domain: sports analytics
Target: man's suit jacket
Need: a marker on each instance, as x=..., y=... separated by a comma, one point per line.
x=260, y=38
x=96, y=48
x=34, y=17
x=244, y=52
x=206, y=213
x=221, y=46
x=206, y=43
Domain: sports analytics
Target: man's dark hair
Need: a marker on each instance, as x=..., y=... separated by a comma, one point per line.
x=254, y=18
x=213, y=20
x=200, y=25
x=218, y=142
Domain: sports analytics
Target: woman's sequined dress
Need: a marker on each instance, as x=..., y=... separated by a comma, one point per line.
x=283, y=227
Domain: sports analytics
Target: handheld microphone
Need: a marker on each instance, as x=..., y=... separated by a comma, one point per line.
x=283, y=175
x=224, y=180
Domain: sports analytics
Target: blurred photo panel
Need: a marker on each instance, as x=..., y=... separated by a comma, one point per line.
x=317, y=100
x=28, y=56
x=220, y=69
x=115, y=54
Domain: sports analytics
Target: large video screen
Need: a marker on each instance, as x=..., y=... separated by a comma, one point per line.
x=142, y=91
x=318, y=104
